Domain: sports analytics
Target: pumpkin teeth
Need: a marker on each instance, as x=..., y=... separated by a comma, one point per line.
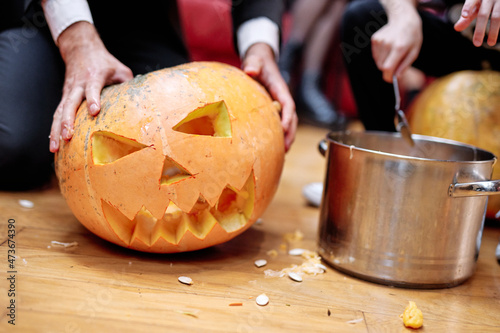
x=172, y=226
x=201, y=224
x=144, y=224
x=119, y=223
x=232, y=212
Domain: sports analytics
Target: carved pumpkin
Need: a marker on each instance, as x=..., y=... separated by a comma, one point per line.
x=463, y=106
x=177, y=160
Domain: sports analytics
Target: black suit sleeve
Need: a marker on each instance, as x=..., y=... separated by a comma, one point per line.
x=244, y=10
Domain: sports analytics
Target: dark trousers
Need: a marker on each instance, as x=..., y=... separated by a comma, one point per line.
x=32, y=76
x=443, y=51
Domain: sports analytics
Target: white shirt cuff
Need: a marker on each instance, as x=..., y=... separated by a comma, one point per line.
x=258, y=30
x=60, y=14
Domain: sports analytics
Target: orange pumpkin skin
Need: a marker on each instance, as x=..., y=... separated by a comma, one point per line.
x=177, y=160
x=463, y=106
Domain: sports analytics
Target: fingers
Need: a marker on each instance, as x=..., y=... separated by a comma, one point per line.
x=386, y=54
x=291, y=130
x=389, y=66
x=78, y=87
x=98, y=82
x=70, y=106
x=406, y=62
x=93, y=96
x=252, y=66
x=484, y=12
x=494, y=24
x=289, y=117
x=391, y=62
x=469, y=13
x=64, y=117
x=55, y=131
x=266, y=72
x=380, y=52
x=483, y=15
x=394, y=59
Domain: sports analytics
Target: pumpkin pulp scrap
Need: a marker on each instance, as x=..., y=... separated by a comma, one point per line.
x=412, y=316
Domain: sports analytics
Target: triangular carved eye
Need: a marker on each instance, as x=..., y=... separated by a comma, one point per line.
x=172, y=172
x=211, y=119
x=108, y=147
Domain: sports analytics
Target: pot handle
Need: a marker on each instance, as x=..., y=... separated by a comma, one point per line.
x=489, y=187
x=323, y=147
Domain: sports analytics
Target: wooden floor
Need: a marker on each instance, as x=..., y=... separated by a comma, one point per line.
x=100, y=287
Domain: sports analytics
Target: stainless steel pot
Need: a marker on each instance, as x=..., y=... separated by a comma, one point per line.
x=401, y=215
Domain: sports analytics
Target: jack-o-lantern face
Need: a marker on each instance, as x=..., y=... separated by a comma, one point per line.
x=177, y=160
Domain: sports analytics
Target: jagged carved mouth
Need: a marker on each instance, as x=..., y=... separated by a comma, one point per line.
x=232, y=212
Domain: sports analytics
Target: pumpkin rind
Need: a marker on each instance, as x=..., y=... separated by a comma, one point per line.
x=462, y=106
x=239, y=152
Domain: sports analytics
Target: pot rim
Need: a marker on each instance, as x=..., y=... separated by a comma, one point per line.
x=417, y=138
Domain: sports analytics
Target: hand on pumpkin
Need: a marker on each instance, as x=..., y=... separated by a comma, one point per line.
x=89, y=67
x=259, y=63
x=481, y=11
x=397, y=44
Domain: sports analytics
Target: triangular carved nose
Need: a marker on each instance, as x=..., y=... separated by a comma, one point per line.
x=173, y=172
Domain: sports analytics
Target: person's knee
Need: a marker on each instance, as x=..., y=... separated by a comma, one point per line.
x=360, y=21
x=31, y=76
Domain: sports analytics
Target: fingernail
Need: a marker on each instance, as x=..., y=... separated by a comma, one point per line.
x=64, y=133
x=94, y=108
x=250, y=69
x=52, y=145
